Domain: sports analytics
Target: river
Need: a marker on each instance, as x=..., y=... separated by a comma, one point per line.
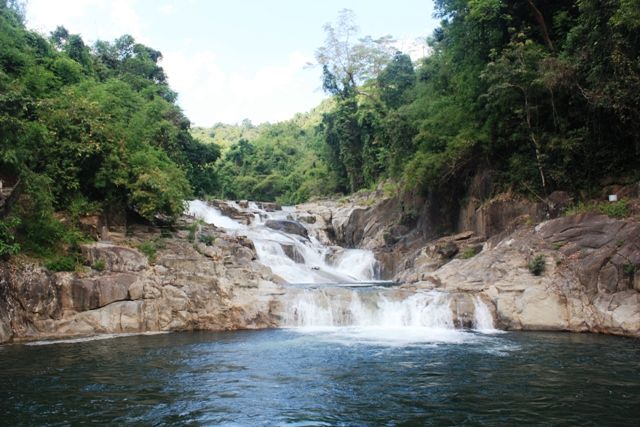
x=304, y=377
x=351, y=350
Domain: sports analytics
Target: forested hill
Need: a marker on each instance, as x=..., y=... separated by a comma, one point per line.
x=86, y=129
x=543, y=94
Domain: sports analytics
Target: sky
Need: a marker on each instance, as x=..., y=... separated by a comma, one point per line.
x=235, y=59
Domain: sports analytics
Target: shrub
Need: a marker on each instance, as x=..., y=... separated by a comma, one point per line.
x=207, y=239
x=469, y=253
x=8, y=246
x=99, y=265
x=150, y=248
x=629, y=269
x=62, y=263
x=619, y=209
x=537, y=265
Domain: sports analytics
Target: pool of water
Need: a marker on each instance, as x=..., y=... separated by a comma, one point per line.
x=325, y=376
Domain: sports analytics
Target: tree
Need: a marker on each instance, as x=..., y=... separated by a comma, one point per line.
x=396, y=79
x=348, y=61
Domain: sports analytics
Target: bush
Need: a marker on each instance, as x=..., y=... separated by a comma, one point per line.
x=62, y=263
x=629, y=269
x=150, y=248
x=537, y=265
x=99, y=265
x=8, y=246
x=207, y=239
x=469, y=253
x=619, y=209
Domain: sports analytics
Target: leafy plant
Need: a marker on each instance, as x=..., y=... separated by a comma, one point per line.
x=629, y=269
x=99, y=265
x=619, y=209
x=8, y=245
x=150, y=248
x=470, y=252
x=207, y=239
x=62, y=263
x=537, y=265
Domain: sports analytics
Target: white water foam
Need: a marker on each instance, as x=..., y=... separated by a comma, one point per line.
x=99, y=337
x=483, y=321
x=307, y=261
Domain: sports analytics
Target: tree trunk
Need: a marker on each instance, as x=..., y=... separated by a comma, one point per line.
x=543, y=25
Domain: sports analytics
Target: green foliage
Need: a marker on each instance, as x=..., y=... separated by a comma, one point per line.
x=99, y=265
x=619, y=209
x=207, y=239
x=150, y=248
x=62, y=263
x=8, y=245
x=537, y=265
x=90, y=127
x=468, y=253
x=629, y=269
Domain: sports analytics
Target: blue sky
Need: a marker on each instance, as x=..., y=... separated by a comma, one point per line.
x=230, y=60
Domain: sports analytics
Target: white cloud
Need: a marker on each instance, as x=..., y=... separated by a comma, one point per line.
x=209, y=94
x=93, y=19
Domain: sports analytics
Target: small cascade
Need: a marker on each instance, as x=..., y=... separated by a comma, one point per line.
x=483, y=320
x=372, y=307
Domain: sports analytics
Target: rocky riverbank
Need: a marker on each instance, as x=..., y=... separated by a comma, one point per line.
x=200, y=278
x=590, y=264
x=204, y=278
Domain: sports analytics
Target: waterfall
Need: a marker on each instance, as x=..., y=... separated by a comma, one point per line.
x=320, y=293
x=295, y=258
x=483, y=318
x=371, y=307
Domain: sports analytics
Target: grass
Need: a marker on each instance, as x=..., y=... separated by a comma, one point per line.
x=99, y=265
x=469, y=253
x=207, y=239
x=150, y=248
x=62, y=263
x=629, y=269
x=537, y=265
x=619, y=209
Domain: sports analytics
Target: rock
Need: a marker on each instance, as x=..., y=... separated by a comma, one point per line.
x=558, y=202
x=115, y=258
x=289, y=227
x=230, y=211
x=91, y=225
x=92, y=293
x=293, y=253
x=269, y=206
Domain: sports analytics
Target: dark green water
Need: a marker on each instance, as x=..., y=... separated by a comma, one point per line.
x=283, y=377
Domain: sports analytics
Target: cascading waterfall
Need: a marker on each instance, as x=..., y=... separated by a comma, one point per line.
x=322, y=278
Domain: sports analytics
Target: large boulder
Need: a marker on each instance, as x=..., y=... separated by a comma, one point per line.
x=95, y=292
x=115, y=258
x=287, y=226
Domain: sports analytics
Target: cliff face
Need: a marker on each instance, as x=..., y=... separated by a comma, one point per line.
x=187, y=287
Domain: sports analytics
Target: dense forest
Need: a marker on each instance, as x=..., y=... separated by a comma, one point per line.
x=86, y=129
x=544, y=94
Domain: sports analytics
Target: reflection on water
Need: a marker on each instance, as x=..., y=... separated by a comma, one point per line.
x=324, y=377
